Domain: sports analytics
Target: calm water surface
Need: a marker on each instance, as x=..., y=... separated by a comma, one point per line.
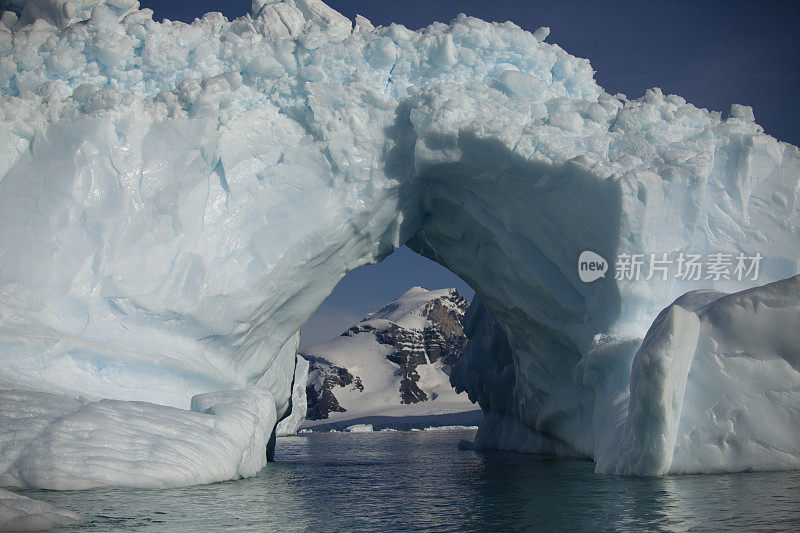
x=421, y=481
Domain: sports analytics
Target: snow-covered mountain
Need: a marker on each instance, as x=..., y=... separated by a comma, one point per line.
x=396, y=361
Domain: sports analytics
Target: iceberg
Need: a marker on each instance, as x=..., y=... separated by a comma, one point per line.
x=359, y=428
x=18, y=513
x=57, y=442
x=291, y=424
x=714, y=386
x=177, y=199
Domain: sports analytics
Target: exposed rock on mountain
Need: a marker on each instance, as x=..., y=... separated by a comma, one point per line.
x=399, y=354
x=324, y=376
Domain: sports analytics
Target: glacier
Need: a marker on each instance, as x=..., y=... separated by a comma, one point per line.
x=177, y=199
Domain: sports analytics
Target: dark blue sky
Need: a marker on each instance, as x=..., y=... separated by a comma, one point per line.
x=713, y=53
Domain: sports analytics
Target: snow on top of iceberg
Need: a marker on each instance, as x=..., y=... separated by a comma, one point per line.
x=242, y=64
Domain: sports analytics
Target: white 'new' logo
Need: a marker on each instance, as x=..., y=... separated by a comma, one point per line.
x=591, y=267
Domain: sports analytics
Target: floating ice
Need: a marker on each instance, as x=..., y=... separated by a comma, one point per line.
x=177, y=199
x=715, y=387
x=59, y=442
x=449, y=428
x=18, y=513
x=359, y=428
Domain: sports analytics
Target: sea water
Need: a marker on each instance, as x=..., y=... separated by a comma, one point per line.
x=422, y=481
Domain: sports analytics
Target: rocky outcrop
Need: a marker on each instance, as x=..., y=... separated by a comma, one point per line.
x=420, y=329
x=443, y=339
x=323, y=377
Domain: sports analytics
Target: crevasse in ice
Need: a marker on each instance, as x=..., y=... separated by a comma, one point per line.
x=177, y=199
x=297, y=414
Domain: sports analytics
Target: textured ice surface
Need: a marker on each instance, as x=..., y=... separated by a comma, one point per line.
x=290, y=424
x=54, y=441
x=715, y=386
x=176, y=200
x=18, y=513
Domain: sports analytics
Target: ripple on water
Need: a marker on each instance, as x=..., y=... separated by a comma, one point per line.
x=422, y=481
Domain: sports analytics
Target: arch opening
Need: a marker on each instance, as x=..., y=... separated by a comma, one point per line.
x=382, y=346
x=513, y=229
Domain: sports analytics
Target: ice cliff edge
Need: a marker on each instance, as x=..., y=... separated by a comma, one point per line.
x=176, y=200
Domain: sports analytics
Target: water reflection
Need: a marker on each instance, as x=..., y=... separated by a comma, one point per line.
x=421, y=481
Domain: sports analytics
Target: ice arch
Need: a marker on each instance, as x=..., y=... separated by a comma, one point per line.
x=176, y=200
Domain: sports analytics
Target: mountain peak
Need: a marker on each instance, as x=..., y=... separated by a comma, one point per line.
x=399, y=354
x=407, y=310
x=416, y=289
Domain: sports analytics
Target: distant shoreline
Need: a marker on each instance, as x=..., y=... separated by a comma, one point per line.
x=400, y=423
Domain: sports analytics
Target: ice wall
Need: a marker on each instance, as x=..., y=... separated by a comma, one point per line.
x=176, y=200
x=714, y=386
x=292, y=423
